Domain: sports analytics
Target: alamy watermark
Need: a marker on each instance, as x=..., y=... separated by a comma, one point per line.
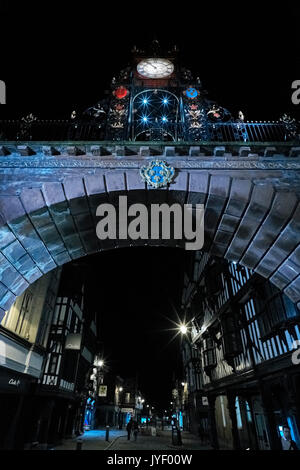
x=296, y=93
x=2, y=92
x=136, y=221
x=296, y=353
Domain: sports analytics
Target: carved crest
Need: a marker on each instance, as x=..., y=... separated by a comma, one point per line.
x=157, y=174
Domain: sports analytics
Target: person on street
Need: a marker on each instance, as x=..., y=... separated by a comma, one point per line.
x=129, y=428
x=135, y=430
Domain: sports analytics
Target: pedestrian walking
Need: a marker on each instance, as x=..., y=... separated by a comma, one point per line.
x=135, y=430
x=129, y=428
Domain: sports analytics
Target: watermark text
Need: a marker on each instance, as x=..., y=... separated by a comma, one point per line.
x=162, y=221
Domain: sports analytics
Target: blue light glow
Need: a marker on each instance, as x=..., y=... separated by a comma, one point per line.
x=164, y=119
x=145, y=101
x=180, y=419
x=291, y=428
x=165, y=101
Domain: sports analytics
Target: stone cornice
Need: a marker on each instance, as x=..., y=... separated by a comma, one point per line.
x=230, y=163
x=127, y=148
x=208, y=155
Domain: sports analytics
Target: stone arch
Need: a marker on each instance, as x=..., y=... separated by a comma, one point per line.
x=250, y=221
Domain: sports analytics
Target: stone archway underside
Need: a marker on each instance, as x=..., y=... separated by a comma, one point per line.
x=47, y=209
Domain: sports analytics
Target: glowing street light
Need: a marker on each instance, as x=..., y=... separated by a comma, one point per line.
x=183, y=329
x=101, y=363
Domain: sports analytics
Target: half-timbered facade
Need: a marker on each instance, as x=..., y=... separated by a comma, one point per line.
x=240, y=355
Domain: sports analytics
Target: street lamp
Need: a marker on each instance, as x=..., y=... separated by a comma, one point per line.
x=183, y=329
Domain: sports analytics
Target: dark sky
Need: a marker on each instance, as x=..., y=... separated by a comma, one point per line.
x=55, y=60
x=134, y=292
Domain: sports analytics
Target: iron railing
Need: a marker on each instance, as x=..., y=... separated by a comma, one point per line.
x=66, y=130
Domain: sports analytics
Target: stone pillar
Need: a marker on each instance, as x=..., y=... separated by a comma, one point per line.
x=231, y=397
x=270, y=418
x=45, y=424
x=54, y=424
x=65, y=417
x=251, y=426
x=70, y=423
x=212, y=422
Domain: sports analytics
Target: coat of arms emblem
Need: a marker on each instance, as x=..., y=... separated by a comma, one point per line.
x=157, y=174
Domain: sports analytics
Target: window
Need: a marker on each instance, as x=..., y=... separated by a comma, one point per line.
x=17, y=319
x=238, y=413
x=209, y=355
x=290, y=308
x=127, y=398
x=223, y=410
x=248, y=412
x=53, y=364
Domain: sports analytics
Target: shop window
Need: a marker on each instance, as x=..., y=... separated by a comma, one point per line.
x=248, y=412
x=17, y=319
x=223, y=410
x=232, y=342
x=238, y=413
x=209, y=355
x=53, y=364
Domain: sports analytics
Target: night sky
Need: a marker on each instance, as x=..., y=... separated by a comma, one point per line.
x=135, y=293
x=54, y=61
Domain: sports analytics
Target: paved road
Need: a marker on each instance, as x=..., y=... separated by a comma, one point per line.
x=92, y=440
x=95, y=440
x=161, y=442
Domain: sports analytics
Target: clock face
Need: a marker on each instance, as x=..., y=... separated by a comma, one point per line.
x=155, y=68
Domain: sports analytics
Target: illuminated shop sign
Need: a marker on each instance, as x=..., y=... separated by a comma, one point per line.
x=14, y=382
x=73, y=341
x=102, y=391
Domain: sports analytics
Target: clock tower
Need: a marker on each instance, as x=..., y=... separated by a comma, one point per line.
x=156, y=99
